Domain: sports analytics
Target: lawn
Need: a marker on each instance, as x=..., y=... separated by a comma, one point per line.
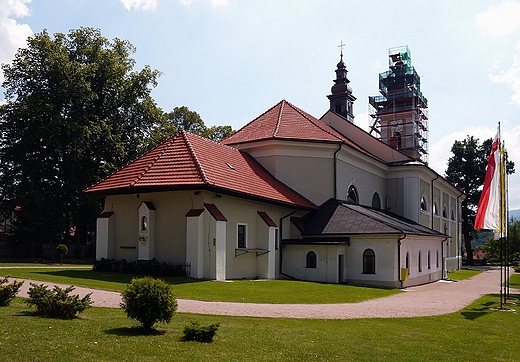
x=476, y=333
x=252, y=291
x=463, y=274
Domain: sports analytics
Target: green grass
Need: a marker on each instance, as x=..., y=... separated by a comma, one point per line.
x=463, y=274
x=514, y=281
x=475, y=333
x=259, y=291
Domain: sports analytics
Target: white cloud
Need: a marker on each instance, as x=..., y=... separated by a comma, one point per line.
x=511, y=77
x=139, y=4
x=362, y=121
x=13, y=35
x=500, y=20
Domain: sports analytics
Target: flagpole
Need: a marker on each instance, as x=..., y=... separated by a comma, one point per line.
x=502, y=249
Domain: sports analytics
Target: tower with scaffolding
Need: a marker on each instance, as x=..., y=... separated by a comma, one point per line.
x=400, y=113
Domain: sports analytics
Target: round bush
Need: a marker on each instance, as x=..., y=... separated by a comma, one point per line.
x=148, y=301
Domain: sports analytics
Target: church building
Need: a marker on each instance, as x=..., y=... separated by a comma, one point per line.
x=293, y=196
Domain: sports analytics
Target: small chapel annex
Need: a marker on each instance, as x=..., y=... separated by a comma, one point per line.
x=286, y=196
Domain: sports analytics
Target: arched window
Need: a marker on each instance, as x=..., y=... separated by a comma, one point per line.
x=444, y=212
x=311, y=260
x=435, y=209
x=452, y=216
x=437, y=259
x=407, y=262
x=429, y=261
x=419, y=261
x=376, y=201
x=369, y=262
x=352, y=195
x=144, y=223
x=424, y=204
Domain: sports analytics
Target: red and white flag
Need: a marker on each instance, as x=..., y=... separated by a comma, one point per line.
x=489, y=206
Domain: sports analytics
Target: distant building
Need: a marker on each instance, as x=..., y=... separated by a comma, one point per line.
x=287, y=195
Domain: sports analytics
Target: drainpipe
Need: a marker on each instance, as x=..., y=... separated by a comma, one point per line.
x=399, y=259
x=444, y=274
x=281, y=243
x=336, y=172
x=432, y=200
x=457, y=238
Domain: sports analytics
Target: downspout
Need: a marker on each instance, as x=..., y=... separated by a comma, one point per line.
x=444, y=274
x=432, y=200
x=336, y=171
x=399, y=259
x=458, y=238
x=281, y=242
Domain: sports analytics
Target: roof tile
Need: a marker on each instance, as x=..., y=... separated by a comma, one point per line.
x=190, y=160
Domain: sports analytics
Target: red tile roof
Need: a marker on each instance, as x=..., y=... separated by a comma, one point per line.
x=188, y=161
x=286, y=121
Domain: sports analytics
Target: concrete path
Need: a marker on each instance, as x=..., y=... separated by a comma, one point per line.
x=437, y=298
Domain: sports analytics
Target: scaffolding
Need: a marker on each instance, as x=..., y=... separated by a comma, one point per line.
x=400, y=113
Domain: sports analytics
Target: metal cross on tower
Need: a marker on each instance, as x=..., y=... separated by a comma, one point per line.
x=341, y=46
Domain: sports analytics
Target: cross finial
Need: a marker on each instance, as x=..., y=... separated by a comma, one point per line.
x=341, y=46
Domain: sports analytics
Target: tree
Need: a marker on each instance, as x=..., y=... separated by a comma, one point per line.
x=76, y=110
x=181, y=118
x=466, y=171
x=512, y=244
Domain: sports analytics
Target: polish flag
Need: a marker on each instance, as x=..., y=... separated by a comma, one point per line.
x=488, y=212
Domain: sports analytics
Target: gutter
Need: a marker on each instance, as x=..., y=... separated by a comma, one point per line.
x=399, y=259
x=458, y=238
x=281, y=243
x=444, y=273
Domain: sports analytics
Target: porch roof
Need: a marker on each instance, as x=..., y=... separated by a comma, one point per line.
x=336, y=217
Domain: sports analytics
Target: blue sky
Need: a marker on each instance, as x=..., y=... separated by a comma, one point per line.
x=231, y=60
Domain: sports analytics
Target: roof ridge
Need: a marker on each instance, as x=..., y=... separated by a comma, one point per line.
x=167, y=143
x=282, y=102
x=307, y=116
x=200, y=169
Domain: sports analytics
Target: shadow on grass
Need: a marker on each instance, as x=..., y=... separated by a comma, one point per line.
x=113, y=277
x=480, y=310
x=135, y=331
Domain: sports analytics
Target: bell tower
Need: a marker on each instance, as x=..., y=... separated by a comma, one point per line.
x=400, y=113
x=342, y=99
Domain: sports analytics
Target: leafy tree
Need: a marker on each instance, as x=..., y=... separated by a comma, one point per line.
x=76, y=110
x=512, y=250
x=218, y=133
x=466, y=171
x=181, y=118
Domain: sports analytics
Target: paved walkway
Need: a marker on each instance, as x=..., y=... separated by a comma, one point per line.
x=437, y=298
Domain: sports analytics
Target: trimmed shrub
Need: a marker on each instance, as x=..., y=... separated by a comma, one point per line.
x=8, y=292
x=62, y=249
x=199, y=333
x=57, y=303
x=148, y=301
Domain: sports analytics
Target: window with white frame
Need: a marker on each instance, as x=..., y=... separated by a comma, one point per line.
x=242, y=236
